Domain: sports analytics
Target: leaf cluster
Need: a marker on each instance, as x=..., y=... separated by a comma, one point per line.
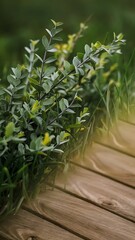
x=43, y=110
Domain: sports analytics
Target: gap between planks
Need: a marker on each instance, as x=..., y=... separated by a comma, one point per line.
x=98, y=190
x=81, y=217
x=27, y=226
x=99, y=223
x=110, y=163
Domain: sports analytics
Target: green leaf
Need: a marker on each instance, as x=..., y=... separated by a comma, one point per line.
x=49, y=32
x=39, y=57
x=7, y=91
x=47, y=148
x=48, y=101
x=1, y=92
x=63, y=103
x=120, y=37
x=9, y=129
x=52, y=50
x=62, y=135
x=56, y=24
x=35, y=84
x=47, y=87
x=38, y=143
x=49, y=71
x=59, y=39
x=18, y=140
x=56, y=31
x=17, y=72
x=59, y=24
x=27, y=49
x=21, y=148
x=33, y=145
x=50, y=60
x=66, y=102
x=58, y=150
x=58, y=139
x=97, y=45
x=17, y=96
x=81, y=71
x=33, y=81
x=67, y=66
x=80, y=55
x=76, y=61
x=13, y=81
x=87, y=49
x=70, y=111
x=34, y=42
x=45, y=42
x=39, y=120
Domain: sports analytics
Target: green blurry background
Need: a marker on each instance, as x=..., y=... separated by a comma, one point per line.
x=21, y=20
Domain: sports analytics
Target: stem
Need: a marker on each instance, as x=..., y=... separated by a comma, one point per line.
x=43, y=62
x=88, y=59
x=60, y=114
x=30, y=69
x=80, y=65
x=42, y=66
x=10, y=104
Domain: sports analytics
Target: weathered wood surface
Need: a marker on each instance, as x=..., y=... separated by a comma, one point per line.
x=27, y=226
x=82, y=217
x=111, y=163
x=99, y=190
x=95, y=200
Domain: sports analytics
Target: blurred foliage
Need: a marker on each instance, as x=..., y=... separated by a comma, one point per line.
x=25, y=19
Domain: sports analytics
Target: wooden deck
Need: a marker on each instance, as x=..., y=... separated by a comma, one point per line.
x=95, y=200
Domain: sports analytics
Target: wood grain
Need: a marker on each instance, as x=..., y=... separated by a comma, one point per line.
x=109, y=162
x=97, y=185
x=121, y=137
x=100, y=190
x=26, y=226
x=84, y=218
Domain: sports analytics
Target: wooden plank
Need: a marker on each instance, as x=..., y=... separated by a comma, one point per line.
x=99, y=190
x=121, y=137
x=109, y=162
x=26, y=226
x=82, y=217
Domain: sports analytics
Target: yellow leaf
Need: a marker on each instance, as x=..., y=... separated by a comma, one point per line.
x=20, y=134
x=66, y=134
x=113, y=67
x=46, y=139
x=9, y=129
x=58, y=46
x=78, y=98
x=35, y=107
x=34, y=42
x=106, y=74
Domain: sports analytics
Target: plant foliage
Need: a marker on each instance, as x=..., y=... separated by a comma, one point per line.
x=45, y=108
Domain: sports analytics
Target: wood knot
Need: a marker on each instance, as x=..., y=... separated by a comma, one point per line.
x=109, y=203
x=32, y=238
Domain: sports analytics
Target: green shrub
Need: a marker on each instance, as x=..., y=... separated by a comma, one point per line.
x=46, y=111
